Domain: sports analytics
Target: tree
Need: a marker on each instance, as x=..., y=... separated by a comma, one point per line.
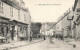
x=35, y=27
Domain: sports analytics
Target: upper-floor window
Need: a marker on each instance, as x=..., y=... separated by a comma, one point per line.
x=1, y=7
x=24, y=17
x=18, y=14
x=11, y=11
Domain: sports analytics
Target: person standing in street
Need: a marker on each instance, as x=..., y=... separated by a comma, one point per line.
x=44, y=37
x=51, y=39
x=30, y=38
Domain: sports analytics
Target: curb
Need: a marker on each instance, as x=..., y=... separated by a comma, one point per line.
x=21, y=45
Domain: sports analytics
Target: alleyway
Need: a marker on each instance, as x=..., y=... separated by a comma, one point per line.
x=46, y=45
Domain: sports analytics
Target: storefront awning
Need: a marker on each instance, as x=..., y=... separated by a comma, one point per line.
x=4, y=21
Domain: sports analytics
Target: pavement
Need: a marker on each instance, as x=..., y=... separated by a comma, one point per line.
x=72, y=42
x=46, y=45
x=18, y=44
x=39, y=44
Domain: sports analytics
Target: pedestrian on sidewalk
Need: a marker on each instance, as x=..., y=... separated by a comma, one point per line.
x=51, y=39
x=74, y=46
x=30, y=38
x=44, y=37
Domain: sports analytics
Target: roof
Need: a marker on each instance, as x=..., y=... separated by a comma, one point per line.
x=15, y=4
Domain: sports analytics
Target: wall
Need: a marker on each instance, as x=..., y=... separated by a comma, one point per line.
x=7, y=14
x=76, y=15
x=62, y=25
x=12, y=14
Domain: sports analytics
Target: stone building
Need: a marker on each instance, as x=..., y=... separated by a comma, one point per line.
x=76, y=19
x=64, y=23
x=47, y=27
x=14, y=20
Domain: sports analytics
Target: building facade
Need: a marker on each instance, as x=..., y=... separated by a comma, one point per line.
x=46, y=28
x=69, y=24
x=76, y=19
x=15, y=20
x=63, y=25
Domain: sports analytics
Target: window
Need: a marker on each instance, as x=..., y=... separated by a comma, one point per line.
x=1, y=7
x=11, y=11
x=18, y=14
x=24, y=17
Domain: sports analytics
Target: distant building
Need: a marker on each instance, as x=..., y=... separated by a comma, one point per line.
x=46, y=27
x=69, y=24
x=64, y=23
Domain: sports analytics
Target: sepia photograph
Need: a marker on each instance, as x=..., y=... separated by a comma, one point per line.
x=39, y=24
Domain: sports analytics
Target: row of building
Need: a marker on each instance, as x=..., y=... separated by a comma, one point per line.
x=15, y=20
x=47, y=28
x=68, y=25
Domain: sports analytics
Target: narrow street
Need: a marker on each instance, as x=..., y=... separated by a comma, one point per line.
x=46, y=45
x=39, y=24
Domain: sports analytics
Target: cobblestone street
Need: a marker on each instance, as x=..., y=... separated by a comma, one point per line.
x=39, y=24
x=46, y=45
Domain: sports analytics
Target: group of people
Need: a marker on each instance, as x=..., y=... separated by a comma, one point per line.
x=49, y=37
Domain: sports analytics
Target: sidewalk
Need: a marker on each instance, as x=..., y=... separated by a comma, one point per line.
x=71, y=42
x=17, y=44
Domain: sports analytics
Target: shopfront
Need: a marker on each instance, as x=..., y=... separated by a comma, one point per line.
x=13, y=30
x=22, y=31
x=4, y=28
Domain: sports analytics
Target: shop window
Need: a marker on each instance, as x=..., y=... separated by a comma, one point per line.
x=7, y=29
x=2, y=29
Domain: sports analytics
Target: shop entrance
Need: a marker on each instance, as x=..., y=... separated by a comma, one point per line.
x=12, y=32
